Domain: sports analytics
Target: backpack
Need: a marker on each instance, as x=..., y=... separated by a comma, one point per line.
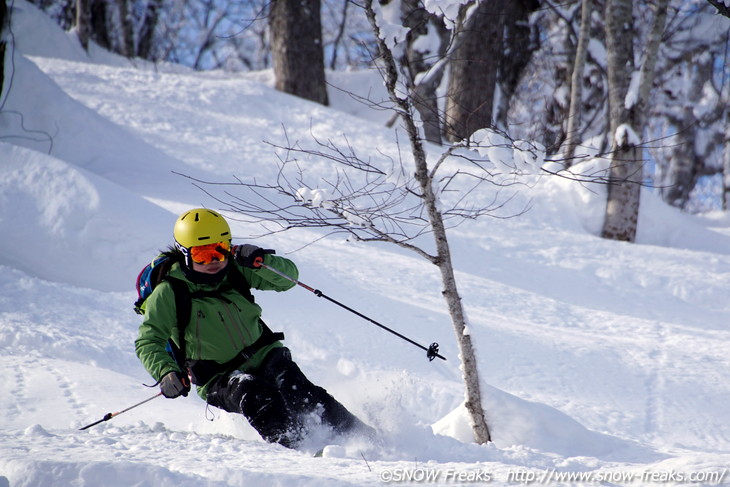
x=155, y=272
x=150, y=276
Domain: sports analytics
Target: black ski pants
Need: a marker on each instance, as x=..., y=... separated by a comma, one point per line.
x=276, y=397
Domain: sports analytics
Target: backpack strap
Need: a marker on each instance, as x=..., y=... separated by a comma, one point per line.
x=240, y=283
x=182, y=310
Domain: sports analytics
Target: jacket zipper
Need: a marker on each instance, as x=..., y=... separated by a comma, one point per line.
x=238, y=324
x=198, y=320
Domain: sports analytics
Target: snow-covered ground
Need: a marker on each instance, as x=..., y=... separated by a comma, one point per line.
x=599, y=358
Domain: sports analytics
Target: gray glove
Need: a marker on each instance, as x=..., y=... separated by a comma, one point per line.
x=251, y=256
x=175, y=384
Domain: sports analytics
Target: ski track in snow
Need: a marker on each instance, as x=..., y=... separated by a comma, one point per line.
x=655, y=383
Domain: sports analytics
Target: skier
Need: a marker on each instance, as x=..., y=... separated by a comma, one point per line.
x=235, y=361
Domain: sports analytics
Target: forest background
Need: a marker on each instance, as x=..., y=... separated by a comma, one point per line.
x=539, y=70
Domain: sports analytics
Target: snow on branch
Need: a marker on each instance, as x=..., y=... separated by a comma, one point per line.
x=625, y=136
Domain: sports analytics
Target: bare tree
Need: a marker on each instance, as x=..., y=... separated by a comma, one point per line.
x=576, y=81
x=145, y=45
x=418, y=62
x=339, y=36
x=680, y=173
x=473, y=68
x=207, y=34
x=83, y=21
x=690, y=107
x=521, y=40
x=726, y=165
x=3, y=44
x=424, y=176
x=627, y=104
x=296, y=46
x=722, y=7
x=126, y=21
x=539, y=109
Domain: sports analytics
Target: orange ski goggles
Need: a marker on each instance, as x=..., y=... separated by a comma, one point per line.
x=205, y=254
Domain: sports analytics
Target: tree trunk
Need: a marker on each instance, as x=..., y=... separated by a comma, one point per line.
x=473, y=69
x=622, y=208
x=573, y=130
x=519, y=45
x=127, y=35
x=100, y=30
x=423, y=89
x=3, y=22
x=626, y=171
x=726, y=165
x=335, y=46
x=684, y=164
x=296, y=47
x=147, y=30
x=83, y=22
x=470, y=369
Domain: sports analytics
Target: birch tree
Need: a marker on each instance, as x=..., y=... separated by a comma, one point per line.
x=680, y=172
x=691, y=106
x=628, y=90
x=424, y=176
x=83, y=22
x=572, y=132
x=420, y=65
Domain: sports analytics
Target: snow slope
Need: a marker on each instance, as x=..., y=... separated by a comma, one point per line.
x=598, y=358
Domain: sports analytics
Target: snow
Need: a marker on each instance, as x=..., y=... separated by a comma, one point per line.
x=707, y=103
x=520, y=156
x=626, y=136
x=632, y=95
x=449, y=9
x=317, y=198
x=598, y=358
x=597, y=51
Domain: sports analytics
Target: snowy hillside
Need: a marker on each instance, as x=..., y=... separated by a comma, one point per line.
x=599, y=359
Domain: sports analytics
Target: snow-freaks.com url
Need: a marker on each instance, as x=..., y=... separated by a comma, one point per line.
x=619, y=477
x=550, y=476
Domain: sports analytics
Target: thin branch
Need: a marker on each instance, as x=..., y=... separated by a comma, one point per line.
x=721, y=7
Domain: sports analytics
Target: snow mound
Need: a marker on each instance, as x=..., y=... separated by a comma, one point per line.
x=84, y=238
x=517, y=422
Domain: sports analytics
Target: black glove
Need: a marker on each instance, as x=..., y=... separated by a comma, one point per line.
x=175, y=384
x=251, y=256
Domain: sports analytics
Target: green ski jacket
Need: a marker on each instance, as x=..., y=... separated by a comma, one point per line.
x=220, y=327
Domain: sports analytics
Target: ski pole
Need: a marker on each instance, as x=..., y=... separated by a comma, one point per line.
x=109, y=416
x=431, y=352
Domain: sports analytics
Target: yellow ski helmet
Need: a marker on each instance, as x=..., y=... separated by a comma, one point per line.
x=200, y=226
